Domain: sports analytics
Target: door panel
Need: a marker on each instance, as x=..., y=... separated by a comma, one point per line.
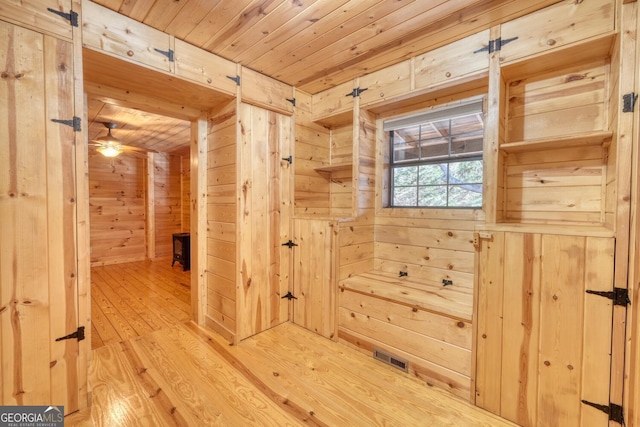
x=549, y=342
x=38, y=271
x=313, y=276
x=264, y=204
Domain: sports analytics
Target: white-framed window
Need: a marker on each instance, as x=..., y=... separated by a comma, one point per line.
x=435, y=158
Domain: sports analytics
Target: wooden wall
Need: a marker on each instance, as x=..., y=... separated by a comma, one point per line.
x=117, y=204
x=221, y=269
x=168, y=201
x=312, y=150
x=119, y=198
x=185, y=185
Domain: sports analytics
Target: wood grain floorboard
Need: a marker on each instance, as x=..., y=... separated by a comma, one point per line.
x=137, y=298
x=286, y=376
x=155, y=368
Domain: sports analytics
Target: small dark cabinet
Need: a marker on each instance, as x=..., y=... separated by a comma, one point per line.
x=181, y=250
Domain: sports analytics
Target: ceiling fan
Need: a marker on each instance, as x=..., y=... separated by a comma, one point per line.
x=110, y=146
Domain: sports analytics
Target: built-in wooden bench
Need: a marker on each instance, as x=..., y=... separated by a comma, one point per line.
x=422, y=322
x=434, y=297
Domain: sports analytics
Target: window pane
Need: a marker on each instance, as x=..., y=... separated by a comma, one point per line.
x=405, y=196
x=466, y=124
x=432, y=196
x=433, y=174
x=438, y=147
x=467, y=144
x=407, y=175
x=465, y=195
x=465, y=172
x=444, y=155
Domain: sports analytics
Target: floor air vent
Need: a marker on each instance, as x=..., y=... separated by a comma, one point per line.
x=390, y=359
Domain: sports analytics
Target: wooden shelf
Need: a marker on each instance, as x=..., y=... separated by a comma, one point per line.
x=334, y=168
x=578, y=140
x=565, y=229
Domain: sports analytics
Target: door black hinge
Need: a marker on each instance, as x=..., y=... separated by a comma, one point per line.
x=615, y=411
x=356, y=92
x=79, y=335
x=629, y=102
x=289, y=296
x=235, y=79
x=72, y=16
x=288, y=159
x=167, y=53
x=75, y=123
x=290, y=244
x=619, y=296
x=495, y=45
x=292, y=101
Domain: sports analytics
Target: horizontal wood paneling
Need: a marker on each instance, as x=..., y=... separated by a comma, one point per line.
x=312, y=150
x=168, y=201
x=117, y=209
x=221, y=221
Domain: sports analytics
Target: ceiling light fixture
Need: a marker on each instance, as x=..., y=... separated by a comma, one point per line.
x=108, y=145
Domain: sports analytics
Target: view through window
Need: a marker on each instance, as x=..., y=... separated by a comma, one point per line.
x=436, y=158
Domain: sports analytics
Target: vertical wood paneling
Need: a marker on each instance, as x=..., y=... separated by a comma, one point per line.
x=61, y=208
x=259, y=302
x=314, y=284
x=553, y=348
x=38, y=270
x=521, y=313
x=23, y=185
x=489, y=323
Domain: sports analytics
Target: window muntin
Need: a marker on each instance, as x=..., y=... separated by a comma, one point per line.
x=438, y=163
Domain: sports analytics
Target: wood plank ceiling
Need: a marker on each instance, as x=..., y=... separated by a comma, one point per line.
x=310, y=44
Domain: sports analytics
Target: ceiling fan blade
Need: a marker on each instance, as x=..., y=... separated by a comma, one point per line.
x=144, y=150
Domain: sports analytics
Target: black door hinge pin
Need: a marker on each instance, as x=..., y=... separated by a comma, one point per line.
x=292, y=101
x=288, y=159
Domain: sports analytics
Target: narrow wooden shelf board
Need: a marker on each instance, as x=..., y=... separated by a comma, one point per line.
x=334, y=168
x=560, y=229
x=577, y=140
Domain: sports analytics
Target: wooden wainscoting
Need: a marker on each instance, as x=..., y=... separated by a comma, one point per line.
x=287, y=375
x=136, y=298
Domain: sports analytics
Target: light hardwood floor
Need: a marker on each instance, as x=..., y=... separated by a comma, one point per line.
x=183, y=375
x=136, y=298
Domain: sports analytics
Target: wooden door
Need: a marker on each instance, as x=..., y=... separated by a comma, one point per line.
x=38, y=268
x=264, y=223
x=543, y=341
x=313, y=276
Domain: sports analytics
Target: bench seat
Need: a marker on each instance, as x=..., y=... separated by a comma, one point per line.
x=434, y=297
